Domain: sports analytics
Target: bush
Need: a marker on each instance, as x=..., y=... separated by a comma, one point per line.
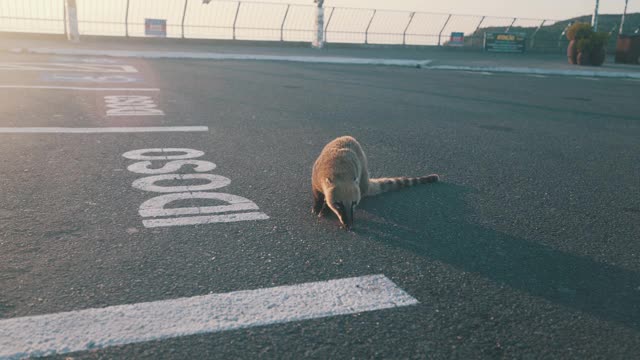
x=585, y=45
x=579, y=31
x=600, y=39
x=597, y=40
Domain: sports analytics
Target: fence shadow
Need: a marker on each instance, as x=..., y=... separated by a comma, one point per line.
x=444, y=233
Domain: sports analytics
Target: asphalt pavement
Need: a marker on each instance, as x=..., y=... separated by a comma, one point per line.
x=528, y=247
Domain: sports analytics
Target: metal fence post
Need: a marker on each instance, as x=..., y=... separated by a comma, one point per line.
x=624, y=15
x=480, y=23
x=563, y=33
x=235, y=19
x=477, y=28
x=126, y=20
x=404, y=33
x=326, y=27
x=366, y=32
x=64, y=18
x=184, y=16
x=513, y=22
x=284, y=18
x=441, y=30
x=533, y=36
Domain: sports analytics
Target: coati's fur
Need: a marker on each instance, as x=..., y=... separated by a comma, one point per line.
x=341, y=179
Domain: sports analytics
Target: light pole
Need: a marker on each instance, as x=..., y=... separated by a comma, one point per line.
x=594, y=18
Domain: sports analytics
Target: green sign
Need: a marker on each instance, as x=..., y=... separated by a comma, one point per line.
x=505, y=42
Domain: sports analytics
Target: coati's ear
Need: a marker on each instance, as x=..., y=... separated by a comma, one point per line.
x=328, y=181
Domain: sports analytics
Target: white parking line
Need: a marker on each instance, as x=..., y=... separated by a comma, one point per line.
x=95, y=68
x=99, y=130
x=74, y=88
x=126, y=324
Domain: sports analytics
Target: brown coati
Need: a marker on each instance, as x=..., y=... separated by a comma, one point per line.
x=341, y=179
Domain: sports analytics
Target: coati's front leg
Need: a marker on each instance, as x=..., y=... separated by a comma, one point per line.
x=318, y=202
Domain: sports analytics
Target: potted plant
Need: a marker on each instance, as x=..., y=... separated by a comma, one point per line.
x=585, y=49
x=575, y=33
x=592, y=50
x=599, y=48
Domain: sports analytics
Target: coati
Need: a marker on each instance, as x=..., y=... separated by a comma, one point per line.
x=340, y=179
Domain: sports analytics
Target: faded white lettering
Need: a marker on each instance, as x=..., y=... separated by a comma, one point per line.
x=144, y=167
x=149, y=183
x=142, y=154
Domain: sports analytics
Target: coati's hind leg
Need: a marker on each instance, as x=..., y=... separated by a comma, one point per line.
x=318, y=202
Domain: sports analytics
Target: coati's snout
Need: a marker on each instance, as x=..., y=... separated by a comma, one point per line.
x=348, y=218
x=342, y=199
x=345, y=214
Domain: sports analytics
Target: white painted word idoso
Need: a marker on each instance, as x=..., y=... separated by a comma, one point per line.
x=155, y=210
x=131, y=105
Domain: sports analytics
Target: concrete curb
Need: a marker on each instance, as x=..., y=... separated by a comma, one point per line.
x=539, y=71
x=223, y=56
x=426, y=64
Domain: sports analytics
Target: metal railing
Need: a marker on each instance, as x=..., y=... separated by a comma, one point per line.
x=247, y=20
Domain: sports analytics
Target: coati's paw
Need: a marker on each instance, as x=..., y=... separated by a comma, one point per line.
x=317, y=211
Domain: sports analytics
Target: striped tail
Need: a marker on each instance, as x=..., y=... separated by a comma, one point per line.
x=382, y=185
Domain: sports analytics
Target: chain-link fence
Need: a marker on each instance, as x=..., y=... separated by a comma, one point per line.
x=246, y=20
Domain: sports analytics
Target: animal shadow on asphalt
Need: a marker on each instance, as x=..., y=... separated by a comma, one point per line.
x=439, y=226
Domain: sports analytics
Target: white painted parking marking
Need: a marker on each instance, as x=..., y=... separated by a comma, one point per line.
x=144, y=167
x=128, y=105
x=203, y=220
x=95, y=68
x=538, y=76
x=92, y=329
x=142, y=154
x=90, y=78
x=100, y=130
x=156, y=206
x=149, y=183
x=84, y=60
x=76, y=88
x=589, y=78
